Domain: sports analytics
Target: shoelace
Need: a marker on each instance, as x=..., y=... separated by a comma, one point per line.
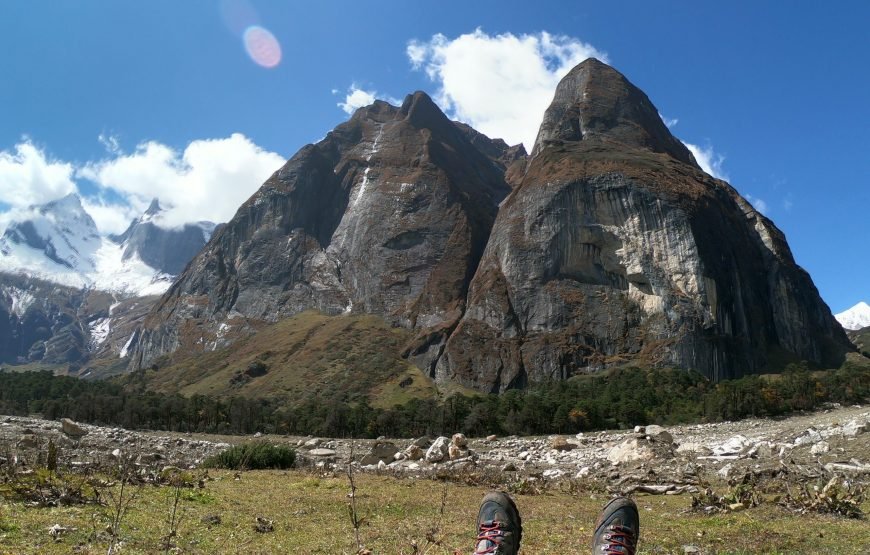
x=492, y=532
x=619, y=537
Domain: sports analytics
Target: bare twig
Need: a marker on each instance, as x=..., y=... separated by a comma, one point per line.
x=351, y=507
x=120, y=503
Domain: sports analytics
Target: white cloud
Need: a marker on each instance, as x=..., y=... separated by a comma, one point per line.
x=757, y=203
x=111, y=217
x=208, y=181
x=28, y=176
x=358, y=97
x=110, y=143
x=709, y=160
x=499, y=84
x=669, y=122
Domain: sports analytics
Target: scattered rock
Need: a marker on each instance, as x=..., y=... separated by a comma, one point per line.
x=414, y=452
x=28, y=441
x=312, y=443
x=422, y=442
x=57, y=531
x=820, y=448
x=322, y=452
x=559, y=443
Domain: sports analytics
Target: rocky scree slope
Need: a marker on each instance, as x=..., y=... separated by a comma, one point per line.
x=608, y=245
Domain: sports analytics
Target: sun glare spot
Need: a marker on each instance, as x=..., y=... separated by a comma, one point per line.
x=262, y=46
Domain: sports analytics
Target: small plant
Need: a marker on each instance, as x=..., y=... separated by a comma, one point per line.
x=256, y=455
x=179, y=482
x=121, y=500
x=838, y=496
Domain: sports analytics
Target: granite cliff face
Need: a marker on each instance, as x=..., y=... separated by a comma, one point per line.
x=607, y=245
x=389, y=214
x=616, y=247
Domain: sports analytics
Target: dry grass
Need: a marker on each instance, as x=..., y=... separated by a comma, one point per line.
x=306, y=355
x=310, y=516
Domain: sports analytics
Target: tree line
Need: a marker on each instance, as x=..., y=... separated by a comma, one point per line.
x=620, y=398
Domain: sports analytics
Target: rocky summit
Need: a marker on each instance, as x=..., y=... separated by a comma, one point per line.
x=607, y=246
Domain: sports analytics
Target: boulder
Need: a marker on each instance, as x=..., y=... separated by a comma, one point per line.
x=381, y=451
x=809, y=437
x=459, y=440
x=633, y=449
x=854, y=428
x=72, y=429
x=735, y=445
x=659, y=434
x=322, y=452
x=438, y=451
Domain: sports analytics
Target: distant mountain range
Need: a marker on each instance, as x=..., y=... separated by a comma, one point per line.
x=855, y=318
x=405, y=249
x=59, y=242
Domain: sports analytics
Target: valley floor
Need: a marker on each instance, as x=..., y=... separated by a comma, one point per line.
x=558, y=490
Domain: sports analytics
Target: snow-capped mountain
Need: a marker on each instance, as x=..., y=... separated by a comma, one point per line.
x=855, y=318
x=60, y=242
x=168, y=250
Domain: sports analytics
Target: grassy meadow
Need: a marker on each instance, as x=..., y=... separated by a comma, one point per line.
x=310, y=514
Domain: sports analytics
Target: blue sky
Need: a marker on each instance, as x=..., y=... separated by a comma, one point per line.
x=777, y=93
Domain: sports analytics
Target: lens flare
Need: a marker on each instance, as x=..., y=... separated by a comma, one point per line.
x=262, y=46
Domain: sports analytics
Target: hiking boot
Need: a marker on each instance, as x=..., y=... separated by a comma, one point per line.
x=617, y=529
x=499, y=527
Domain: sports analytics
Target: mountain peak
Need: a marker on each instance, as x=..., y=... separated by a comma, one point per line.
x=153, y=208
x=596, y=102
x=855, y=318
x=70, y=202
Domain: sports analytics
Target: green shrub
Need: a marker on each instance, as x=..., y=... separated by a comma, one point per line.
x=253, y=456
